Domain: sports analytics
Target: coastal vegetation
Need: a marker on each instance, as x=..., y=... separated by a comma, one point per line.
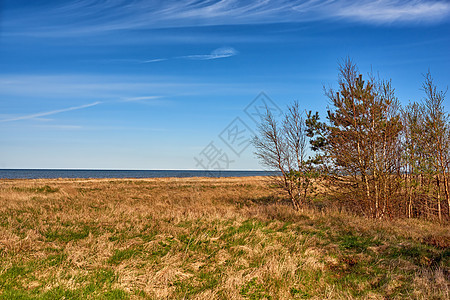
x=207, y=238
x=386, y=160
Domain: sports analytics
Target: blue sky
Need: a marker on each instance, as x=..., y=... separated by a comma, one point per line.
x=151, y=84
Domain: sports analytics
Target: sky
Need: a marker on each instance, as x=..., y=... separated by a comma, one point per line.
x=104, y=84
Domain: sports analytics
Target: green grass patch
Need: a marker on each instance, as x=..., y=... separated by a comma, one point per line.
x=68, y=234
x=420, y=254
x=46, y=189
x=254, y=290
x=162, y=249
x=356, y=243
x=121, y=255
x=202, y=281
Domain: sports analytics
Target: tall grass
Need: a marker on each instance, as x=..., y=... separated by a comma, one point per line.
x=229, y=238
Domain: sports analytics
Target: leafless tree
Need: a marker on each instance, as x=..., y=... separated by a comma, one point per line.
x=436, y=134
x=281, y=146
x=426, y=145
x=413, y=159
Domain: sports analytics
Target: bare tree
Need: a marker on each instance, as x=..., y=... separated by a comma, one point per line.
x=437, y=137
x=426, y=145
x=413, y=159
x=281, y=146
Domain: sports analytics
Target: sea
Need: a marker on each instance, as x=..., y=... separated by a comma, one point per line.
x=78, y=173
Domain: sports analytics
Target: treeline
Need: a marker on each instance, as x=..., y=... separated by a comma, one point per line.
x=385, y=160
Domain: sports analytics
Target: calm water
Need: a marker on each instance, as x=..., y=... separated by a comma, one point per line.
x=58, y=173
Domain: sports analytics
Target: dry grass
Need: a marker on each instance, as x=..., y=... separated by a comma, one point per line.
x=228, y=238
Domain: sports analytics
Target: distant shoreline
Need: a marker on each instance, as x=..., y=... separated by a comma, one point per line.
x=123, y=174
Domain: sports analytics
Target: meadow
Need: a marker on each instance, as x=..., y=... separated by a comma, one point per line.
x=206, y=238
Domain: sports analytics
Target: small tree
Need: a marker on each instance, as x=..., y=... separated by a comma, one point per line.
x=360, y=141
x=426, y=145
x=437, y=139
x=414, y=160
x=281, y=146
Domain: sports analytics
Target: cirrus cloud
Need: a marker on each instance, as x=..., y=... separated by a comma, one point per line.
x=218, y=53
x=222, y=52
x=87, y=17
x=49, y=113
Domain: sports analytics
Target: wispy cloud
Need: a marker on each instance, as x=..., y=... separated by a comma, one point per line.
x=111, y=90
x=96, y=128
x=87, y=17
x=48, y=113
x=141, y=98
x=60, y=127
x=148, y=100
x=218, y=53
x=74, y=88
x=395, y=11
x=154, y=60
x=222, y=52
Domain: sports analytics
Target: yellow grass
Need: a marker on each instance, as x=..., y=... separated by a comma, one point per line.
x=205, y=238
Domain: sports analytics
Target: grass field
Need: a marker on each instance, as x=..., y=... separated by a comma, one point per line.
x=229, y=238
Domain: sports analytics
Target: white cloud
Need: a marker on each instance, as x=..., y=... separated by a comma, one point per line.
x=86, y=17
x=383, y=11
x=148, y=100
x=108, y=90
x=218, y=53
x=153, y=60
x=73, y=88
x=48, y=113
x=141, y=98
x=60, y=127
x=222, y=52
x=215, y=54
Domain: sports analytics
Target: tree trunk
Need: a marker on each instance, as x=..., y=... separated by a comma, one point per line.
x=444, y=175
x=439, y=198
